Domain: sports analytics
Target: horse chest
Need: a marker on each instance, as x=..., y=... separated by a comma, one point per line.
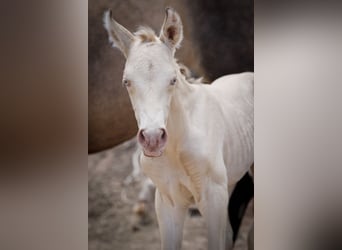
x=178, y=183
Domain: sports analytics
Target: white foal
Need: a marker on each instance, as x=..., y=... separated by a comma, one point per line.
x=197, y=139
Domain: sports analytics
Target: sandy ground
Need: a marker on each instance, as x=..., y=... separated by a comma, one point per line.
x=110, y=207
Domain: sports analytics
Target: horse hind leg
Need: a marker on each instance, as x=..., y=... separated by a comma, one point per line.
x=142, y=209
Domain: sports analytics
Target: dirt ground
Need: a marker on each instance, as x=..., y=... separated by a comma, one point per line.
x=110, y=202
x=111, y=220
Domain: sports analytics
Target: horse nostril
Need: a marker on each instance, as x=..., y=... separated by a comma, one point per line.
x=163, y=134
x=142, y=136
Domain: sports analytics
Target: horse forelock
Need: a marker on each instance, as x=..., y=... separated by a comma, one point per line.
x=146, y=34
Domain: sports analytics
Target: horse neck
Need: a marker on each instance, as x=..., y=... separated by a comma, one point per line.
x=179, y=110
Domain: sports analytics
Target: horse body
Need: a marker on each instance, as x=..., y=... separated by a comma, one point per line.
x=205, y=159
x=197, y=139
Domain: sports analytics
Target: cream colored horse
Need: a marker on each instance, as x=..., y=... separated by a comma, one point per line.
x=197, y=139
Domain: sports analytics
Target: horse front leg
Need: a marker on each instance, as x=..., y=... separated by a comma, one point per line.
x=213, y=207
x=170, y=221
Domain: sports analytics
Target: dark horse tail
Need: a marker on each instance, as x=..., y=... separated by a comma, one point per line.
x=242, y=194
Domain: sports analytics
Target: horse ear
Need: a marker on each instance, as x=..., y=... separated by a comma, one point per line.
x=119, y=36
x=172, y=30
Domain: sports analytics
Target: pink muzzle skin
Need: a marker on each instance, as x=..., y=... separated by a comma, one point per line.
x=153, y=141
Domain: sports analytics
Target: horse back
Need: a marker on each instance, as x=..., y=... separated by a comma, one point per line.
x=236, y=84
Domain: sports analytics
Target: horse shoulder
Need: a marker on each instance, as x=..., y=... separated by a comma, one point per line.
x=202, y=159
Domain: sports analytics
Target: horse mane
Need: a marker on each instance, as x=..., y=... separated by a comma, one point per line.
x=146, y=34
x=186, y=72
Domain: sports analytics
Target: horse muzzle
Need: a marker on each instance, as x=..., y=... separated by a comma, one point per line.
x=153, y=141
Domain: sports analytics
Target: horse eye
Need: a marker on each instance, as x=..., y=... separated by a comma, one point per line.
x=173, y=81
x=126, y=83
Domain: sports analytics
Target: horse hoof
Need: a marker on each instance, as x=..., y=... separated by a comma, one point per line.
x=141, y=216
x=140, y=208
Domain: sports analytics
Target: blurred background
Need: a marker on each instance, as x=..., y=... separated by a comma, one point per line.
x=218, y=40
